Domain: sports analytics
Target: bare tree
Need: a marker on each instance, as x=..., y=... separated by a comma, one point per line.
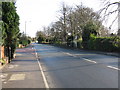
x=111, y=10
x=72, y=22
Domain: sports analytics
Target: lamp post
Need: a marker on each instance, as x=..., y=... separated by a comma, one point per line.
x=26, y=27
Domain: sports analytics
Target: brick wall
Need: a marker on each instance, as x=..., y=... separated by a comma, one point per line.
x=2, y=52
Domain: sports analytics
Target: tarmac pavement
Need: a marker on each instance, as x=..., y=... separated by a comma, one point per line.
x=23, y=71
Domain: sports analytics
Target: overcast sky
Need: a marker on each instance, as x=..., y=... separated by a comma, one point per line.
x=39, y=13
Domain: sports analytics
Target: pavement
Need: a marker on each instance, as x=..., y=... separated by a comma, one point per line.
x=23, y=71
x=2, y=66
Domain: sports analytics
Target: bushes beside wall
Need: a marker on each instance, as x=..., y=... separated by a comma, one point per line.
x=107, y=44
x=111, y=44
x=25, y=42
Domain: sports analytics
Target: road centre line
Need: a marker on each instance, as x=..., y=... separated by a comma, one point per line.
x=70, y=54
x=89, y=60
x=93, y=61
x=75, y=55
x=115, y=68
x=40, y=67
x=82, y=58
x=84, y=54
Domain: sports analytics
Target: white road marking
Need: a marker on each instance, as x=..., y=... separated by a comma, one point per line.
x=16, y=65
x=4, y=82
x=84, y=54
x=11, y=66
x=69, y=54
x=89, y=60
x=36, y=54
x=17, y=77
x=3, y=75
x=113, y=67
x=19, y=54
x=75, y=55
x=43, y=75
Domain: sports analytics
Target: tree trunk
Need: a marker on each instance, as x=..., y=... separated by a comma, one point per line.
x=8, y=53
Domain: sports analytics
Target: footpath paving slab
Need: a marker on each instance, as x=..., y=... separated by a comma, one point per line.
x=23, y=71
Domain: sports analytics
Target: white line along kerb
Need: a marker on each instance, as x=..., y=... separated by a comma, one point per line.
x=43, y=75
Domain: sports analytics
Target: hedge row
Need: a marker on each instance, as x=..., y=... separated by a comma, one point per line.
x=108, y=44
x=24, y=42
x=111, y=44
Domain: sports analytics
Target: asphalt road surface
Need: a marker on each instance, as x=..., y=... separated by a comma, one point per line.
x=65, y=68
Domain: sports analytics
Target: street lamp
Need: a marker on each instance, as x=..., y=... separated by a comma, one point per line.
x=26, y=26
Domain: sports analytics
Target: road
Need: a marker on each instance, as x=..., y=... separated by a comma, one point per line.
x=66, y=68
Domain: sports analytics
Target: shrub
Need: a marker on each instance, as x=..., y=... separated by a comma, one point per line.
x=79, y=43
x=70, y=41
x=89, y=29
x=104, y=43
x=92, y=42
x=2, y=61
